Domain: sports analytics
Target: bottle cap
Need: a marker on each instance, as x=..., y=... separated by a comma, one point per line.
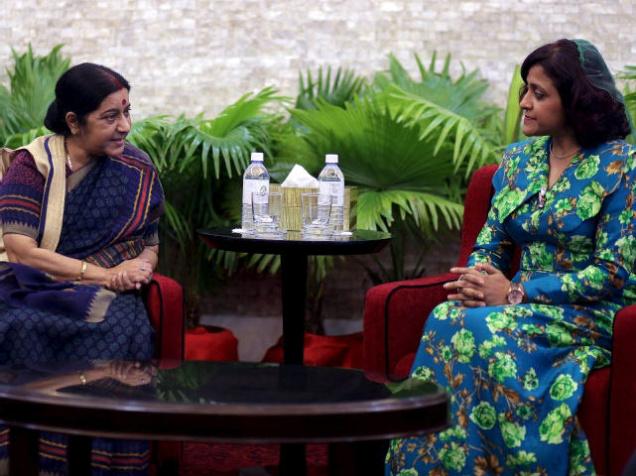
x=331, y=158
x=256, y=157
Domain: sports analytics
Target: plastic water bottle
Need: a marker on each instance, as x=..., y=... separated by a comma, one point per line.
x=255, y=180
x=331, y=191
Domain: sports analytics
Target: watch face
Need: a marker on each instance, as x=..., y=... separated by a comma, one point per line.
x=515, y=296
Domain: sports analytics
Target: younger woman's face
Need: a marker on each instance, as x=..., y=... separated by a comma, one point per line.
x=543, y=112
x=105, y=129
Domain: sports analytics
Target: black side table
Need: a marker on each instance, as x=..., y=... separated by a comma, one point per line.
x=294, y=250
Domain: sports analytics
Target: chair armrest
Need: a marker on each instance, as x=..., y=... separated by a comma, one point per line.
x=394, y=315
x=164, y=302
x=622, y=406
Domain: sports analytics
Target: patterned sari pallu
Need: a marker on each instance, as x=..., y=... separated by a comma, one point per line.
x=110, y=213
x=516, y=374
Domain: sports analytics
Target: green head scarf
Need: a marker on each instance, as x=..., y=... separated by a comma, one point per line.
x=596, y=70
x=598, y=73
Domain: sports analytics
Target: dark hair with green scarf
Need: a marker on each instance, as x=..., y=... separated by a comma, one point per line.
x=594, y=108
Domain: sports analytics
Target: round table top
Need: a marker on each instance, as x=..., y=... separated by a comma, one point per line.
x=220, y=401
x=359, y=242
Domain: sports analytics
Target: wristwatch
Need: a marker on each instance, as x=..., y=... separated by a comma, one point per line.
x=516, y=293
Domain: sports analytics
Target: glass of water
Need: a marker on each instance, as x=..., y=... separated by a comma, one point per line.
x=267, y=209
x=315, y=212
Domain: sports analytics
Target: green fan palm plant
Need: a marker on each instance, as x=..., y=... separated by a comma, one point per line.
x=400, y=177
x=345, y=86
x=447, y=110
x=31, y=90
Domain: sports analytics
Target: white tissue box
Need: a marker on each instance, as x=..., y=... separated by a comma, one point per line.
x=290, y=217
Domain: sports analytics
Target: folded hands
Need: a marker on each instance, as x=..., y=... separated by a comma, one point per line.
x=481, y=285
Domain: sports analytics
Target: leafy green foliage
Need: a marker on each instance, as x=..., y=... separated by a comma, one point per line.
x=397, y=172
x=346, y=85
x=31, y=90
x=200, y=162
x=449, y=111
x=629, y=75
x=512, y=116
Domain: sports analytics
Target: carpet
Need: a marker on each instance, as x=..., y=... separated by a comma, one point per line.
x=226, y=459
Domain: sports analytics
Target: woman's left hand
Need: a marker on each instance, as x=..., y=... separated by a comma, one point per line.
x=130, y=274
x=130, y=373
x=484, y=282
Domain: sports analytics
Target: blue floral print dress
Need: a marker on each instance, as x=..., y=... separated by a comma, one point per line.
x=516, y=373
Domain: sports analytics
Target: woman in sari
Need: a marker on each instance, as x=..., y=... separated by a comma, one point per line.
x=79, y=211
x=514, y=355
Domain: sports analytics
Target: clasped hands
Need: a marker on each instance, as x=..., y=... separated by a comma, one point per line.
x=128, y=373
x=482, y=285
x=130, y=274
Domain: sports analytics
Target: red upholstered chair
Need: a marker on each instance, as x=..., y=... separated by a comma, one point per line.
x=394, y=315
x=164, y=302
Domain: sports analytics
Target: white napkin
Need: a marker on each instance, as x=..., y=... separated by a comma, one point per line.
x=299, y=177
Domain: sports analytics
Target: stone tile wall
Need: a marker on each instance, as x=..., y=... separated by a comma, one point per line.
x=199, y=55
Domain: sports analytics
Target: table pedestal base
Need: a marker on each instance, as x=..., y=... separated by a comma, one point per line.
x=294, y=291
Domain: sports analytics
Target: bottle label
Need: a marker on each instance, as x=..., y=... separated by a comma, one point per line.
x=335, y=190
x=259, y=187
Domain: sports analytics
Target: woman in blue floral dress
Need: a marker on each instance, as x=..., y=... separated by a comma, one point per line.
x=515, y=355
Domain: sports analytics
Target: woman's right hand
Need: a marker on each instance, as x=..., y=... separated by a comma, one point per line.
x=467, y=288
x=130, y=274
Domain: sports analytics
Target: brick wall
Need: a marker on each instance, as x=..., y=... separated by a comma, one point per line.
x=199, y=55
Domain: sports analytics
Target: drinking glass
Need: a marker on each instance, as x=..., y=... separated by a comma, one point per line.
x=315, y=211
x=267, y=209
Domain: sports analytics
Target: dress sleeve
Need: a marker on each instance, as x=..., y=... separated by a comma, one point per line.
x=614, y=254
x=21, y=193
x=493, y=244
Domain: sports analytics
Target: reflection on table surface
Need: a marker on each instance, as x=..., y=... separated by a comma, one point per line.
x=295, y=235
x=204, y=383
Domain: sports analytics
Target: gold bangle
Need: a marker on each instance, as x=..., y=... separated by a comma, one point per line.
x=82, y=270
x=82, y=378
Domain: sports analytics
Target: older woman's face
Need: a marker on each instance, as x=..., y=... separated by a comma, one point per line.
x=105, y=129
x=543, y=112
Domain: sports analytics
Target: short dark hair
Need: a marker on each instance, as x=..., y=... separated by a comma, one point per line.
x=592, y=113
x=81, y=89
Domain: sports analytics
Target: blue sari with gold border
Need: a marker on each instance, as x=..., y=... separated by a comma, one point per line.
x=111, y=213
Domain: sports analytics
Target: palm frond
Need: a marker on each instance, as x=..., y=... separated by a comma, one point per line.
x=393, y=166
x=227, y=140
x=200, y=161
x=629, y=76
x=31, y=90
x=462, y=96
x=450, y=111
x=376, y=209
x=345, y=86
x=20, y=139
x=289, y=147
x=512, y=116
x=445, y=126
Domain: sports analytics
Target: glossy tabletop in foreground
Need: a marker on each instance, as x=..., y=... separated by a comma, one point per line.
x=239, y=402
x=217, y=401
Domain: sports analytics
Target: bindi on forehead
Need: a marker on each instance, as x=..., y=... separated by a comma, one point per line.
x=123, y=102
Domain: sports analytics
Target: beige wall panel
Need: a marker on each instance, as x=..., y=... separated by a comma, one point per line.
x=199, y=55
